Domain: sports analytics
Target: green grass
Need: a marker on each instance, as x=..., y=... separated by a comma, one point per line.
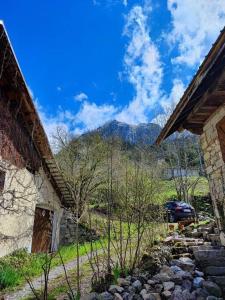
x=13, y=267
x=8, y=276
x=169, y=191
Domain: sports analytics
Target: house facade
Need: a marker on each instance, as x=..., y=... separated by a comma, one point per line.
x=201, y=110
x=32, y=191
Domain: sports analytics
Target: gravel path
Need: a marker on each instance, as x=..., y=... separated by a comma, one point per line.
x=38, y=283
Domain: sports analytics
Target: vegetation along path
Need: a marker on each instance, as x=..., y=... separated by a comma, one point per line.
x=39, y=281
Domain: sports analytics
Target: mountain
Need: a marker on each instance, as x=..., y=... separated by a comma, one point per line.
x=134, y=134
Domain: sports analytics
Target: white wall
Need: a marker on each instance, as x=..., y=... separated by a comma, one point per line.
x=23, y=191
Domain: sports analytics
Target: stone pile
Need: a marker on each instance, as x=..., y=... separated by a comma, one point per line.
x=196, y=271
x=181, y=280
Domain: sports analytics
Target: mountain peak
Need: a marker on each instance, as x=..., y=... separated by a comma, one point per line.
x=144, y=133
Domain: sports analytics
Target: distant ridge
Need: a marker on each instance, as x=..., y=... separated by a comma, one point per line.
x=134, y=134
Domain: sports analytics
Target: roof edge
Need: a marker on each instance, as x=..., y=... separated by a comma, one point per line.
x=30, y=99
x=195, y=82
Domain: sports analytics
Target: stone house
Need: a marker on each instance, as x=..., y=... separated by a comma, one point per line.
x=201, y=110
x=32, y=191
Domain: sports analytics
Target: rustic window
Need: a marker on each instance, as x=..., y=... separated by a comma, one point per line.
x=2, y=180
x=221, y=135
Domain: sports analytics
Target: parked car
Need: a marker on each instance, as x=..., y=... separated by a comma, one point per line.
x=178, y=211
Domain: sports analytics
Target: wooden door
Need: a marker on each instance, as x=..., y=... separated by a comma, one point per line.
x=42, y=230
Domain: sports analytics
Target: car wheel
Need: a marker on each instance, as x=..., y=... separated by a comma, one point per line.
x=171, y=218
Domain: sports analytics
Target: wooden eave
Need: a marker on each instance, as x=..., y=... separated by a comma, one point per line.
x=203, y=96
x=15, y=87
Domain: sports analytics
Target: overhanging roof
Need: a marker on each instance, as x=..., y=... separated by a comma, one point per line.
x=32, y=121
x=203, y=96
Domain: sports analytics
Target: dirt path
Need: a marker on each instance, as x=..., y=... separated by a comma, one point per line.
x=39, y=282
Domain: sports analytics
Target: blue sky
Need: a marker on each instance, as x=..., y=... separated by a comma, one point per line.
x=89, y=61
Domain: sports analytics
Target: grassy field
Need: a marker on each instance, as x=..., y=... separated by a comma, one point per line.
x=168, y=189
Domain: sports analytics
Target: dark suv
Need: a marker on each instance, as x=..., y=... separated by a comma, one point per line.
x=178, y=211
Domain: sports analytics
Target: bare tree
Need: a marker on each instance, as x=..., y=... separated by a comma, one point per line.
x=79, y=161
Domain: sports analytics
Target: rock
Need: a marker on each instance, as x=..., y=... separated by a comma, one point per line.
x=198, y=273
x=186, y=260
x=152, y=296
x=166, y=294
x=151, y=282
x=212, y=288
x=143, y=278
x=90, y=296
x=143, y=292
x=213, y=298
x=175, y=269
x=126, y=296
x=123, y=282
x=137, y=285
x=184, y=263
x=147, y=286
x=106, y=296
x=201, y=293
x=197, y=282
x=196, y=234
x=194, y=295
x=178, y=288
x=136, y=297
x=162, y=277
x=158, y=288
x=117, y=296
x=115, y=289
x=168, y=285
x=166, y=270
x=187, y=285
x=177, y=278
x=187, y=295
x=177, y=295
x=131, y=289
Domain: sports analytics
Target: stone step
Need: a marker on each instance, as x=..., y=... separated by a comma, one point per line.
x=207, y=246
x=214, y=238
x=215, y=270
x=209, y=253
x=208, y=229
x=220, y=280
x=212, y=257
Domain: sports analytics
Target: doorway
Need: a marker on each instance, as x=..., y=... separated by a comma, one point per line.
x=42, y=231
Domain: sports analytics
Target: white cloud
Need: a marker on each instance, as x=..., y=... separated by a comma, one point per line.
x=81, y=97
x=91, y=115
x=173, y=98
x=195, y=26
x=59, y=89
x=169, y=102
x=142, y=66
x=125, y=2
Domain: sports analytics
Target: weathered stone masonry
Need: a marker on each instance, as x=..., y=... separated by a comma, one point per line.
x=215, y=166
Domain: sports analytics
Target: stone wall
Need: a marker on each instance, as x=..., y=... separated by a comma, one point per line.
x=215, y=167
x=68, y=231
